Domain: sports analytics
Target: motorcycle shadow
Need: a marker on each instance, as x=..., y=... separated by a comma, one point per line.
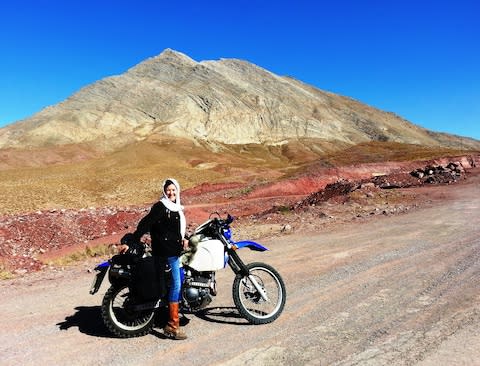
x=223, y=315
x=88, y=320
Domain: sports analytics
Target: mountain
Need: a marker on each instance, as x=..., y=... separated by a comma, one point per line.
x=226, y=121
x=229, y=101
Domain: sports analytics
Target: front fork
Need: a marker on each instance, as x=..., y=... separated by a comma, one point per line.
x=236, y=263
x=240, y=269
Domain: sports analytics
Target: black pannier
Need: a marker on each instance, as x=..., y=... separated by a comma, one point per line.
x=148, y=280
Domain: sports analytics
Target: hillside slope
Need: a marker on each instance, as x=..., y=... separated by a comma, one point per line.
x=226, y=121
x=227, y=101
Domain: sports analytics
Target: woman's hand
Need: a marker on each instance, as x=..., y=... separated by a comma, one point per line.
x=122, y=248
x=185, y=244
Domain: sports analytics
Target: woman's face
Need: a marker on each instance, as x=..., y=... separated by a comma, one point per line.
x=171, y=192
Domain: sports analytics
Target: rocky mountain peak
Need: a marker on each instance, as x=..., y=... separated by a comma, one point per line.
x=227, y=101
x=167, y=62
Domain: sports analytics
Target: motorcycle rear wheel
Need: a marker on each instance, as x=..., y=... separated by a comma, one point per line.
x=122, y=320
x=251, y=305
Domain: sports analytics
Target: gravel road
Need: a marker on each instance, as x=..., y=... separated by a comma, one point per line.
x=396, y=290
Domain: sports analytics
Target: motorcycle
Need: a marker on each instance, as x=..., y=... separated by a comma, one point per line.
x=139, y=282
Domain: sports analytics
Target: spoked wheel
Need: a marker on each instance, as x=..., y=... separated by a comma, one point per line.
x=259, y=297
x=119, y=316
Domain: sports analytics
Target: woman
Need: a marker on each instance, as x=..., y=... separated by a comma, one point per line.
x=166, y=224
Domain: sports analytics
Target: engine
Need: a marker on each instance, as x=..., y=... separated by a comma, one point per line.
x=198, y=289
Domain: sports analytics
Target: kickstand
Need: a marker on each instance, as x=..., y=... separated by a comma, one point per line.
x=183, y=319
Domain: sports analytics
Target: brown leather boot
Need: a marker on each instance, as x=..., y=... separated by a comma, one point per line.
x=172, y=329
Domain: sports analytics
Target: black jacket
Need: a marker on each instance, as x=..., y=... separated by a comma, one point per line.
x=164, y=228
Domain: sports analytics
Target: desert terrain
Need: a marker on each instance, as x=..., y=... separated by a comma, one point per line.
x=374, y=277
x=373, y=221
x=49, y=212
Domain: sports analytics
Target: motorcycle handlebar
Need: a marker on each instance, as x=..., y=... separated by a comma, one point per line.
x=229, y=219
x=223, y=223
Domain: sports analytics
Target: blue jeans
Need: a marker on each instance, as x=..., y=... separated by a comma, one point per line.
x=174, y=293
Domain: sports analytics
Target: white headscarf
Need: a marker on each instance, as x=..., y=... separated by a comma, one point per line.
x=175, y=206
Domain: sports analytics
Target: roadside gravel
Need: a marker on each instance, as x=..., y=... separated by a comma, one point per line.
x=392, y=290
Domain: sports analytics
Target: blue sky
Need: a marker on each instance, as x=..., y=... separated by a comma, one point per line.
x=418, y=59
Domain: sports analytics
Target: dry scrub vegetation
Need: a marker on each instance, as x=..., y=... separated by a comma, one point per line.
x=133, y=174
x=53, y=212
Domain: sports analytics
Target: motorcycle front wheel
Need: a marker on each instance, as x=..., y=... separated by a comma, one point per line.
x=248, y=299
x=119, y=316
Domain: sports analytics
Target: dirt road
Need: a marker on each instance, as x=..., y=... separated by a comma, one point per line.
x=396, y=290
